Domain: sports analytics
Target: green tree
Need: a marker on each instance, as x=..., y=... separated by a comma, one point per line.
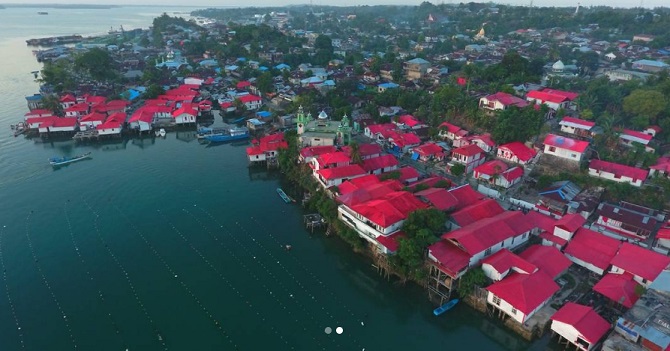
x=264, y=82
x=97, y=63
x=58, y=75
x=647, y=103
x=471, y=279
x=457, y=170
x=153, y=91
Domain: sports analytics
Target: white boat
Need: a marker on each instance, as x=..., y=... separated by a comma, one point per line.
x=59, y=161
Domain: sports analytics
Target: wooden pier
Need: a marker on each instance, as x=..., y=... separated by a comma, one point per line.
x=314, y=220
x=86, y=135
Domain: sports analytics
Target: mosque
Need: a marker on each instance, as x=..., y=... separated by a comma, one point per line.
x=322, y=130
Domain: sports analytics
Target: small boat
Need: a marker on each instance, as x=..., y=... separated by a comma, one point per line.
x=162, y=132
x=59, y=161
x=283, y=196
x=42, y=13
x=446, y=307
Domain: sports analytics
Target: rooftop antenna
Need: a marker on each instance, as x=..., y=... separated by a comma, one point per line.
x=530, y=9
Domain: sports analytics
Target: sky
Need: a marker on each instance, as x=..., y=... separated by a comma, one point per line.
x=260, y=3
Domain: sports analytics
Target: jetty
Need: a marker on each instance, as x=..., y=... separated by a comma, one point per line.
x=313, y=220
x=64, y=39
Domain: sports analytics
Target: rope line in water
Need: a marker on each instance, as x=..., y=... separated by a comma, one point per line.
x=144, y=310
x=188, y=290
x=48, y=285
x=89, y=276
x=9, y=296
x=277, y=261
x=306, y=270
x=259, y=280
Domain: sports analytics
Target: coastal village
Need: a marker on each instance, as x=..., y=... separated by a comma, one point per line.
x=524, y=172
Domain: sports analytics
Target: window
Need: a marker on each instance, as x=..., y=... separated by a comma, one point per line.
x=487, y=252
x=514, y=311
x=496, y=300
x=525, y=235
x=573, y=155
x=552, y=149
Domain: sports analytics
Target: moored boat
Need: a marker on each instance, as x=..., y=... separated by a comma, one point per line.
x=446, y=307
x=228, y=135
x=59, y=161
x=283, y=196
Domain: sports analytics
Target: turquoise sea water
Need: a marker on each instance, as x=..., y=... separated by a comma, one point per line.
x=158, y=244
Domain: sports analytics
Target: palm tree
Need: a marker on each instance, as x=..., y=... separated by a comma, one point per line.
x=355, y=153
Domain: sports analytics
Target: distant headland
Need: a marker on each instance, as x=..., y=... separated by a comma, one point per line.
x=59, y=6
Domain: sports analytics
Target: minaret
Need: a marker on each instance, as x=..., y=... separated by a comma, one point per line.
x=301, y=120
x=577, y=10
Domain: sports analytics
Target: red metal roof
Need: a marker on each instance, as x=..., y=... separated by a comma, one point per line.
x=186, y=108
x=581, y=122
x=543, y=96
x=392, y=241
x=468, y=150
x=450, y=127
x=636, y=134
x=566, y=143
x=568, y=94
x=548, y=259
x=619, y=169
x=317, y=150
x=504, y=260
x=482, y=209
x=522, y=152
x=379, y=162
x=525, y=291
x=553, y=238
x=488, y=232
x=440, y=198
x=571, y=222
x=117, y=117
x=428, y=149
x=450, y=259
x=465, y=196
x=541, y=221
x=341, y=172
x=242, y=84
x=619, y=288
x=491, y=168
x=376, y=128
x=364, y=150
x=407, y=173
x=368, y=192
x=593, y=247
x=249, y=98
x=390, y=209
x=640, y=261
x=81, y=107
x=662, y=164
x=513, y=174
x=408, y=120
x=589, y=324
x=663, y=233
x=484, y=138
x=507, y=99
x=95, y=116
x=332, y=158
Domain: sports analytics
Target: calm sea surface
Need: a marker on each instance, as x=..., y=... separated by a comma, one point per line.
x=165, y=244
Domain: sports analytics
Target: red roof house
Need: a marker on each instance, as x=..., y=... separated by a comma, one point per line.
x=484, y=208
x=521, y=295
x=503, y=262
x=501, y=101
x=617, y=172
x=429, y=151
x=592, y=250
x=645, y=265
x=662, y=167
x=451, y=132
x=380, y=164
x=576, y=126
x=336, y=175
x=548, y=259
x=580, y=325
x=516, y=152
x=620, y=288
x=563, y=147
x=308, y=153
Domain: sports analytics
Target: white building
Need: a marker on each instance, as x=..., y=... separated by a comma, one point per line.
x=566, y=148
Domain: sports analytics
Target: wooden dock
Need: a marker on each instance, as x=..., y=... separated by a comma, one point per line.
x=314, y=220
x=86, y=135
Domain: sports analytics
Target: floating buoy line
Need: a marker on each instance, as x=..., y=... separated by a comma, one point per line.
x=9, y=295
x=277, y=261
x=89, y=276
x=159, y=337
x=260, y=281
x=307, y=270
x=38, y=265
x=183, y=284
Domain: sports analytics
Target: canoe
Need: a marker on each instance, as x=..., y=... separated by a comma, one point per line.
x=446, y=307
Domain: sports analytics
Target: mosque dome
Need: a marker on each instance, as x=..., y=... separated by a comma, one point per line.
x=558, y=66
x=323, y=115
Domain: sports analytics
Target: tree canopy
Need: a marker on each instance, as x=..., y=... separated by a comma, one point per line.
x=97, y=63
